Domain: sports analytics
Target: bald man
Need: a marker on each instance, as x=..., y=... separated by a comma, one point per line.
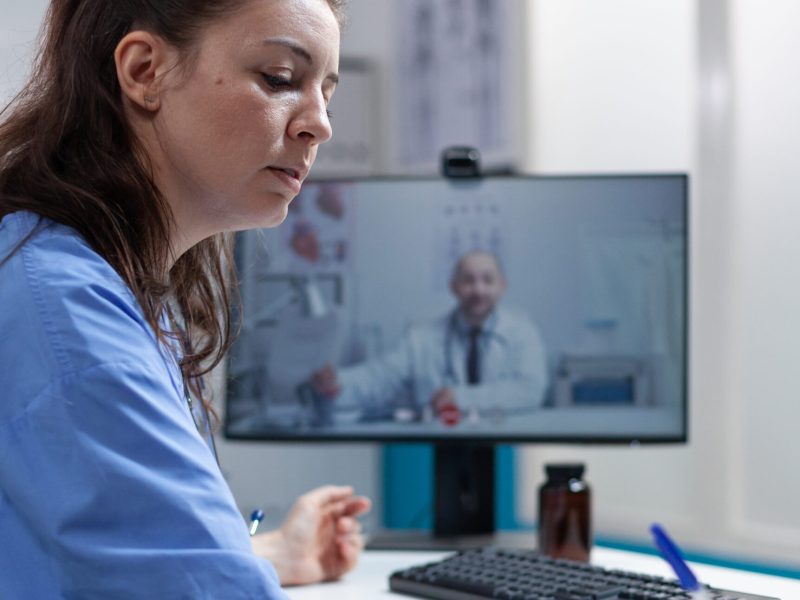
x=477, y=360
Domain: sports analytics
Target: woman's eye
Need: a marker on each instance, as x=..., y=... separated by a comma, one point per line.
x=329, y=113
x=276, y=82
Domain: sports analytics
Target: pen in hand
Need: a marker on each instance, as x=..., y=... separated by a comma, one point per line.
x=672, y=555
x=255, y=519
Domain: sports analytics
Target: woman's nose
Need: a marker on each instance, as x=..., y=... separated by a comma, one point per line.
x=312, y=121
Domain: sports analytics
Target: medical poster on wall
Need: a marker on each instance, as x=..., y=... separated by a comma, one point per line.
x=352, y=152
x=464, y=225
x=455, y=56
x=315, y=237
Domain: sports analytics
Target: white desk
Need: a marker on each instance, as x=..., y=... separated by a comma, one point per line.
x=370, y=579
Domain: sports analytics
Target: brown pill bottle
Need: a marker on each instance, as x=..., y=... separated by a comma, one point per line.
x=565, y=526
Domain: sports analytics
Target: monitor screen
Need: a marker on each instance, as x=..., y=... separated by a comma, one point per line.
x=499, y=309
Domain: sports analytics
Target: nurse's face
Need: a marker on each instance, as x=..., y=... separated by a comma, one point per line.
x=478, y=285
x=235, y=136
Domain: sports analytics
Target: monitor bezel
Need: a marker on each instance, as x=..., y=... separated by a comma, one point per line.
x=680, y=438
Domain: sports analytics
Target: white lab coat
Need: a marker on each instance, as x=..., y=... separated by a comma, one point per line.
x=433, y=355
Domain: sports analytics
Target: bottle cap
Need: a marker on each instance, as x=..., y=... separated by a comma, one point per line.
x=564, y=471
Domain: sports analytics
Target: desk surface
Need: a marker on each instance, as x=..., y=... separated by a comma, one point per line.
x=370, y=578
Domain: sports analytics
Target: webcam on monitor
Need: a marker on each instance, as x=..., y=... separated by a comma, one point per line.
x=461, y=161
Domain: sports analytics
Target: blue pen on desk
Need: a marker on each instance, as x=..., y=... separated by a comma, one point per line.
x=255, y=519
x=672, y=555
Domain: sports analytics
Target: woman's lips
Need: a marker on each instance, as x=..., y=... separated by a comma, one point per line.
x=288, y=177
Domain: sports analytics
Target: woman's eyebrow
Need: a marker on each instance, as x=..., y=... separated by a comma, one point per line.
x=291, y=45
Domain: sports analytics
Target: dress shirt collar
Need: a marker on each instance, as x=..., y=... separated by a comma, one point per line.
x=489, y=326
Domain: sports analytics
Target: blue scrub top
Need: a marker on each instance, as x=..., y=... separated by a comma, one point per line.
x=107, y=490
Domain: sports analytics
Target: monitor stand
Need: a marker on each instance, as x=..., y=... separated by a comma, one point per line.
x=463, y=505
x=463, y=490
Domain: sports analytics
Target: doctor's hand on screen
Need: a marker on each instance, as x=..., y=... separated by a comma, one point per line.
x=320, y=540
x=325, y=382
x=445, y=407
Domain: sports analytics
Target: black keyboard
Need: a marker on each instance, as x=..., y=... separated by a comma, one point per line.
x=527, y=575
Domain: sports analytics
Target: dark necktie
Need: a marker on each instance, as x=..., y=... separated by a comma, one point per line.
x=474, y=357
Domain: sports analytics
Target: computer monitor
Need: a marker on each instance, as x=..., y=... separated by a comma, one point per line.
x=466, y=313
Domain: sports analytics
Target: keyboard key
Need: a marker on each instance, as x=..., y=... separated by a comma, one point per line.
x=606, y=593
x=453, y=583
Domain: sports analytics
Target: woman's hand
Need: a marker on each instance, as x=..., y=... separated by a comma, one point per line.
x=320, y=540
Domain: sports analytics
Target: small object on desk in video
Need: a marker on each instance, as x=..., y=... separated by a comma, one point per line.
x=450, y=414
x=255, y=519
x=672, y=554
x=403, y=415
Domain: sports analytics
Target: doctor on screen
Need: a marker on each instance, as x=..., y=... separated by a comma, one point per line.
x=477, y=360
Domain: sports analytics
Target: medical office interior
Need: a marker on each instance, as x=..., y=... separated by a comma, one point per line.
x=559, y=88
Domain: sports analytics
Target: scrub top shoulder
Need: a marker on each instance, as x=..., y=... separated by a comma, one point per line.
x=106, y=487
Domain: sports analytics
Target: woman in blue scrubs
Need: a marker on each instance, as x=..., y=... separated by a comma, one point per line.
x=147, y=134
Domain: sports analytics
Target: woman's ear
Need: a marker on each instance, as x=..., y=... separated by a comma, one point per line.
x=142, y=59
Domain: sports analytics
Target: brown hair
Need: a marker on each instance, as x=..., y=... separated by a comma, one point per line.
x=68, y=154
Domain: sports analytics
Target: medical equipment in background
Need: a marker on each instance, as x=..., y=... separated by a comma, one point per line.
x=296, y=325
x=304, y=291
x=602, y=381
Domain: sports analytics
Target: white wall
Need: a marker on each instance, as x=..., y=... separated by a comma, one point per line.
x=611, y=85
x=765, y=293
x=18, y=28
x=628, y=85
